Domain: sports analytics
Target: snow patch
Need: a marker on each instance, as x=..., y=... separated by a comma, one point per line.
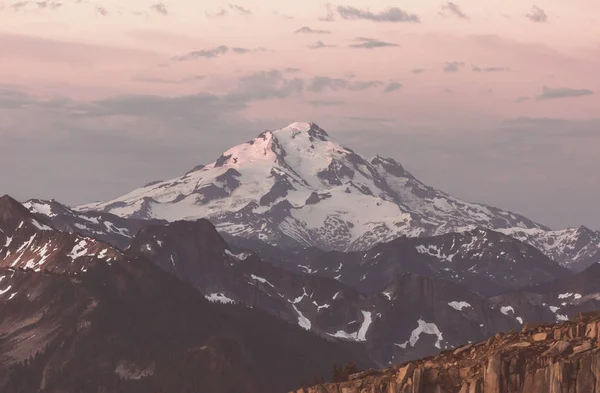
x=78, y=250
x=459, y=305
x=260, y=279
x=506, y=309
x=219, y=298
x=302, y=320
x=361, y=334
x=426, y=328
x=240, y=257
x=40, y=226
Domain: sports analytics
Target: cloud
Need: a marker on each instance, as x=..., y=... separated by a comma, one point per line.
x=221, y=12
x=49, y=4
x=291, y=70
x=329, y=16
x=240, y=9
x=537, y=15
x=522, y=99
x=448, y=91
x=160, y=7
x=243, y=51
x=454, y=9
x=549, y=93
x=18, y=5
x=475, y=68
x=265, y=85
x=418, y=70
x=393, y=86
x=453, y=66
x=321, y=103
x=155, y=79
x=393, y=15
x=284, y=16
x=319, y=84
x=319, y=45
x=370, y=43
x=204, y=53
x=308, y=30
x=215, y=52
x=101, y=10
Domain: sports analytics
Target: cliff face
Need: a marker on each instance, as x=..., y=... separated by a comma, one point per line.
x=561, y=358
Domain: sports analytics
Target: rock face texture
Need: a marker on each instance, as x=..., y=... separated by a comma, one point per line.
x=561, y=358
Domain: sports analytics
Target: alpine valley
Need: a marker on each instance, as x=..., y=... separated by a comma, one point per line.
x=261, y=270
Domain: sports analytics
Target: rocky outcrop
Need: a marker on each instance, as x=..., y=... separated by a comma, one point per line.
x=561, y=358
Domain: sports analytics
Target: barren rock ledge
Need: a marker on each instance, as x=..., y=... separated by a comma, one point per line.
x=561, y=358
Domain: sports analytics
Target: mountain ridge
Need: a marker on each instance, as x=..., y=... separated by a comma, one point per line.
x=297, y=186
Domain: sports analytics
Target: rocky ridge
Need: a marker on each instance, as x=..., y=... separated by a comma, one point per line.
x=556, y=358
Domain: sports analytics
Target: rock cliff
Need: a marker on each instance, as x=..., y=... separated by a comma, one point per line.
x=560, y=358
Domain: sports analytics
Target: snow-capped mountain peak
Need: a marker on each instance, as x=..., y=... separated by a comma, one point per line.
x=297, y=185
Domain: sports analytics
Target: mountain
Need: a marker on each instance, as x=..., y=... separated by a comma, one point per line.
x=482, y=260
x=548, y=358
x=421, y=316
x=28, y=241
x=88, y=317
x=554, y=301
x=298, y=186
x=574, y=248
x=194, y=252
x=106, y=227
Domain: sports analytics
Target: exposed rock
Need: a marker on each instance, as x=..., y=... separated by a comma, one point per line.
x=533, y=360
x=540, y=336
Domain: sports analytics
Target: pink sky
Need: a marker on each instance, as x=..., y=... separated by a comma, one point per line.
x=449, y=128
x=73, y=50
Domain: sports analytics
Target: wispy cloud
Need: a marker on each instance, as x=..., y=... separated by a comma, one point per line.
x=18, y=5
x=239, y=9
x=549, y=93
x=221, y=12
x=101, y=10
x=161, y=8
x=392, y=86
x=370, y=43
x=156, y=79
x=475, y=68
x=455, y=10
x=522, y=99
x=418, y=70
x=308, y=30
x=393, y=15
x=329, y=15
x=319, y=103
x=319, y=45
x=215, y=52
x=284, y=16
x=204, y=53
x=453, y=66
x=319, y=84
x=49, y=4
x=537, y=15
